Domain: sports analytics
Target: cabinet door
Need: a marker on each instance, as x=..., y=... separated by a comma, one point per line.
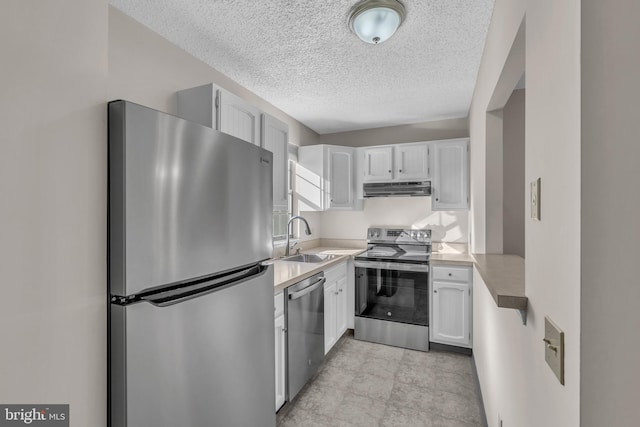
x=279, y=332
x=275, y=138
x=341, y=309
x=378, y=164
x=451, y=176
x=412, y=162
x=451, y=313
x=197, y=104
x=310, y=180
x=330, y=309
x=238, y=118
x=340, y=177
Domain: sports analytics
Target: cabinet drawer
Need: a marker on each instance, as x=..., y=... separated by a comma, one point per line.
x=455, y=274
x=278, y=304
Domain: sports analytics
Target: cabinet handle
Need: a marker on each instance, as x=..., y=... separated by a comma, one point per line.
x=389, y=170
x=400, y=171
x=340, y=289
x=336, y=293
x=449, y=274
x=435, y=291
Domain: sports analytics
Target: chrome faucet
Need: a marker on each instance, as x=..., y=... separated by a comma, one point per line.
x=307, y=231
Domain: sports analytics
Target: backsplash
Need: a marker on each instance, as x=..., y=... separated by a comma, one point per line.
x=414, y=212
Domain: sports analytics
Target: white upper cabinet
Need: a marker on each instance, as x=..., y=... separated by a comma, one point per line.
x=412, y=162
x=341, y=176
x=326, y=178
x=378, y=164
x=450, y=175
x=221, y=110
x=275, y=138
x=400, y=162
x=238, y=118
x=198, y=104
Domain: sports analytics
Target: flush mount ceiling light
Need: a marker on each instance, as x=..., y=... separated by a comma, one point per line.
x=374, y=21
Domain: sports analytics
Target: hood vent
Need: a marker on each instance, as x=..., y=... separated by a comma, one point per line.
x=394, y=189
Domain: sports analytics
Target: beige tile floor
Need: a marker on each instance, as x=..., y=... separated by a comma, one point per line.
x=367, y=384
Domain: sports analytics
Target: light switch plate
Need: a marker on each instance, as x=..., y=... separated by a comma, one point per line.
x=554, y=348
x=535, y=199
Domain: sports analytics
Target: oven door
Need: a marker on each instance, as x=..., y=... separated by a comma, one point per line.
x=392, y=291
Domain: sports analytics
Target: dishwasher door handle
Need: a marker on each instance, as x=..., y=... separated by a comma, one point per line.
x=307, y=290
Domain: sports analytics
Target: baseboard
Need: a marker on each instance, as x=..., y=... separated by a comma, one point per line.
x=450, y=348
x=483, y=415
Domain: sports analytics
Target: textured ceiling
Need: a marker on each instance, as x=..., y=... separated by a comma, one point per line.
x=301, y=57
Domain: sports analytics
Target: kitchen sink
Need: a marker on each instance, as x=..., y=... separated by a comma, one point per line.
x=310, y=258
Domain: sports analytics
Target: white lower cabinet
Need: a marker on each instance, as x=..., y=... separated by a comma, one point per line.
x=330, y=312
x=341, y=313
x=335, y=305
x=451, y=305
x=279, y=334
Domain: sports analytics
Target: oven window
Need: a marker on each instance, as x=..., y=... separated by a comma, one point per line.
x=400, y=296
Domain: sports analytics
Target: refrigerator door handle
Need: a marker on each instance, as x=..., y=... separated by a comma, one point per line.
x=184, y=293
x=307, y=290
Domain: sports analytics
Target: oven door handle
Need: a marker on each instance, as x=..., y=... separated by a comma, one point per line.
x=397, y=266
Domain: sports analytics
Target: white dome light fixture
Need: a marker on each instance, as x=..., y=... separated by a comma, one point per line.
x=375, y=21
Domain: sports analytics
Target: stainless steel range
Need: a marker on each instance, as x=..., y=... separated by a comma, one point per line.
x=392, y=281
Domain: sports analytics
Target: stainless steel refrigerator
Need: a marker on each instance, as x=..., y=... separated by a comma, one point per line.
x=191, y=307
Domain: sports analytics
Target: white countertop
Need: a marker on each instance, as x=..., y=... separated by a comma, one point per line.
x=287, y=273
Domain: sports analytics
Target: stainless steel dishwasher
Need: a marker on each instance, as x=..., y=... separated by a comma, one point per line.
x=305, y=331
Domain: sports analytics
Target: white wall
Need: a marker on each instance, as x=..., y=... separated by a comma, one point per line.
x=610, y=344
x=505, y=22
x=414, y=212
x=53, y=181
x=503, y=357
x=62, y=61
x=494, y=182
x=514, y=206
x=515, y=362
x=552, y=152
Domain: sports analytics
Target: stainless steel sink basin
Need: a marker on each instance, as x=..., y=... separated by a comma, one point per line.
x=310, y=258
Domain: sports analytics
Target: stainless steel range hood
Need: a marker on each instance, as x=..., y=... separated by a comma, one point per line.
x=394, y=189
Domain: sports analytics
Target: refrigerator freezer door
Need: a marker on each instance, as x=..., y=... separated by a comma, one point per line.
x=185, y=201
x=203, y=362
